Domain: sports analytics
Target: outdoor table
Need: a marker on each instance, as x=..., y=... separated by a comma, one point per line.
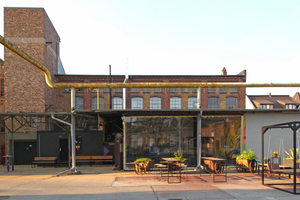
x=215, y=166
x=174, y=167
x=265, y=167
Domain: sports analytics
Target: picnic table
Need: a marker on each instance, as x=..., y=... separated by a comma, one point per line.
x=174, y=168
x=215, y=166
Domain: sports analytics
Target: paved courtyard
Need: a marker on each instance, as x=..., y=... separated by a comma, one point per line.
x=105, y=183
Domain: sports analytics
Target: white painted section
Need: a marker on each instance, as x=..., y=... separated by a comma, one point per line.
x=249, y=104
x=280, y=139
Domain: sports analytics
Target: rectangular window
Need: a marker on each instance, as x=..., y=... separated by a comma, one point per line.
x=155, y=103
x=78, y=90
x=194, y=90
x=222, y=90
x=231, y=103
x=118, y=90
x=175, y=103
x=67, y=90
x=146, y=90
x=233, y=90
x=106, y=90
x=134, y=90
x=211, y=90
x=157, y=90
x=173, y=90
x=184, y=90
x=213, y=103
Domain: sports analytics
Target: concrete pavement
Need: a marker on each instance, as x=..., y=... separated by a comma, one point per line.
x=105, y=183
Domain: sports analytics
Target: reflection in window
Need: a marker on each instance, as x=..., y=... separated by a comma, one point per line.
x=220, y=136
x=117, y=103
x=155, y=103
x=137, y=103
x=94, y=103
x=231, y=103
x=157, y=137
x=175, y=103
x=192, y=103
x=78, y=103
x=213, y=103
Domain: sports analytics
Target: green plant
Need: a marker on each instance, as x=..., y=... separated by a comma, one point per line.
x=178, y=156
x=266, y=159
x=143, y=159
x=275, y=153
x=291, y=154
x=250, y=155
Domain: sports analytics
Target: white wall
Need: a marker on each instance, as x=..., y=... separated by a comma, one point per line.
x=280, y=139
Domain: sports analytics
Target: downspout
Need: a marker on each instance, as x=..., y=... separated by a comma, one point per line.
x=199, y=141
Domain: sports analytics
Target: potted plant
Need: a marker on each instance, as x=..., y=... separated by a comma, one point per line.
x=289, y=161
x=246, y=160
x=142, y=165
x=275, y=154
x=178, y=156
x=266, y=160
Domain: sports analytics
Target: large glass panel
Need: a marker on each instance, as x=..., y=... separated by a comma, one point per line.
x=158, y=137
x=231, y=103
x=213, y=102
x=192, y=102
x=221, y=136
x=78, y=103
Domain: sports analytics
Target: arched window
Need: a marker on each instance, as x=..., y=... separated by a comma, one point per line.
x=175, y=103
x=137, y=103
x=94, y=103
x=155, y=103
x=78, y=103
x=231, y=103
x=117, y=103
x=213, y=103
x=192, y=102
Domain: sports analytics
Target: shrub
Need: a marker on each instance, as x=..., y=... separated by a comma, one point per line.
x=178, y=156
x=143, y=159
x=291, y=154
x=249, y=156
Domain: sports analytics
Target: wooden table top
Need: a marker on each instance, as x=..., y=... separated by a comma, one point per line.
x=213, y=158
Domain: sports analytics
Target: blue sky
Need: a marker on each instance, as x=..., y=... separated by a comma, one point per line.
x=190, y=37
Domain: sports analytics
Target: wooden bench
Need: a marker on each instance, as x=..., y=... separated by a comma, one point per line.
x=83, y=159
x=101, y=159
x=44, y=160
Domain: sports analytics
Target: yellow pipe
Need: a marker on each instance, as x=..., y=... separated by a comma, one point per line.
x=92, y=86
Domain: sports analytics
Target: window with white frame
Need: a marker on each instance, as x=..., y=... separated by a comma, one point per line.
x=192, y=102
x=137, y=103
x=290, y=106
x=231, y=103
x=155, y=103
x=78, y=103
x=117, y=103
x=213, y=103
x=94, y=103
x=266, y=106
x=175, y=103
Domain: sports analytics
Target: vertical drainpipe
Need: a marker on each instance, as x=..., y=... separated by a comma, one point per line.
x=73, y=129
x=199, y=127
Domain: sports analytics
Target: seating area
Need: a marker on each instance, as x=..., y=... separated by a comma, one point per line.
x=44, y=161
x=94, y=159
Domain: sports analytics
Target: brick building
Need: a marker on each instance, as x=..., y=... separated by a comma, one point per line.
x=23, y=86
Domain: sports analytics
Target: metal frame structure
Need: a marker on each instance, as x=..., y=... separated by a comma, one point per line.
x=295, y=125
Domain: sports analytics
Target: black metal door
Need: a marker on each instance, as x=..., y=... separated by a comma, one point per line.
x=24, y=152
x=63, y=147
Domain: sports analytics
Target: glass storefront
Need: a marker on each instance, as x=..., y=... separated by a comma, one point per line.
x=157, y=137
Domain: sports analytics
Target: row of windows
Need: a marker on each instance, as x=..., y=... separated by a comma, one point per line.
x=221, y=90
x=136, y=90
x=155, y=103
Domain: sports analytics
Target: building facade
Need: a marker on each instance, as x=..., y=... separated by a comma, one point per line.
x=23, y=89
